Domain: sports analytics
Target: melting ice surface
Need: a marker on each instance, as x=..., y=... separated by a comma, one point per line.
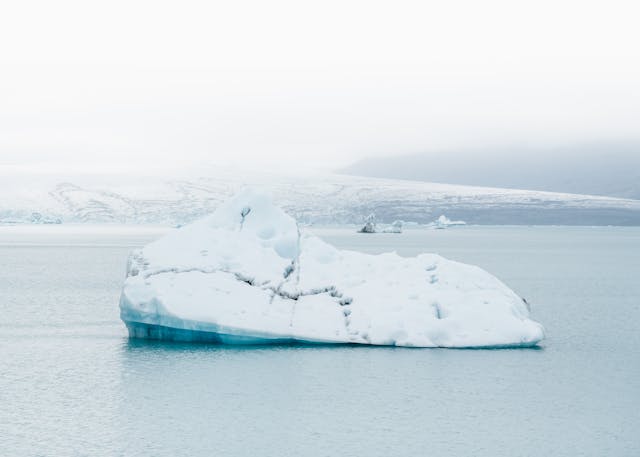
x=247, y=274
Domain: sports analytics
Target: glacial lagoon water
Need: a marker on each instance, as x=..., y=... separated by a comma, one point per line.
x=73, y=384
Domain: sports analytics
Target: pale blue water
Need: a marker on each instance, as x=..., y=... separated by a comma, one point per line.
x=72, y=384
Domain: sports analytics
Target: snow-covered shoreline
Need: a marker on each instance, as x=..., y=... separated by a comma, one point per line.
x=313, y=199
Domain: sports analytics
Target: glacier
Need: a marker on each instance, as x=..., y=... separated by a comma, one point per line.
x=248, y=274
x=311, y=197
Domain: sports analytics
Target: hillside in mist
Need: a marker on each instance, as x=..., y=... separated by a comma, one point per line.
x=608, y=169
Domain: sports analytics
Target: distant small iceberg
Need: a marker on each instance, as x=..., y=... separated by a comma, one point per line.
x=443, y=222
x=370, y=226
x=395, y=227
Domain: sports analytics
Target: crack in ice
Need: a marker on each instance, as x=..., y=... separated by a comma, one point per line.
x=276, y=290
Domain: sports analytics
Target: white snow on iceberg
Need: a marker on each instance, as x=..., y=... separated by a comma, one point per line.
x=246, y=274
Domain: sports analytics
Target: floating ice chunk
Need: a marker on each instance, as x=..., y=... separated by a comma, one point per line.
x=369, y=224
x=443, y=222
x=246, y=274
x=396, y=227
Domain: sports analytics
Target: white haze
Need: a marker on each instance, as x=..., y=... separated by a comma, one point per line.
x=138, y=84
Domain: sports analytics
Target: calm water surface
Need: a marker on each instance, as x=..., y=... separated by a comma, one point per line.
x=72, y=384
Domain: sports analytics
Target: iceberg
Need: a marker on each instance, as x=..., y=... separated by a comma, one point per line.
x=247, y=274
x=443, y=222
x=395, y=227
x=369, y=224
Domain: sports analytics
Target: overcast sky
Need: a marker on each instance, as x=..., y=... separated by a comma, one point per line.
x=102, y=84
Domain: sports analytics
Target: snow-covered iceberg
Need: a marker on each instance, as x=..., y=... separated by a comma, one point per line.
x=443, y=222
x=395, y=227
x=370, y=226
x=246, y=274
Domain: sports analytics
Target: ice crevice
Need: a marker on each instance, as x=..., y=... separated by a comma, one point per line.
x=276, y=290
x=243, y=214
